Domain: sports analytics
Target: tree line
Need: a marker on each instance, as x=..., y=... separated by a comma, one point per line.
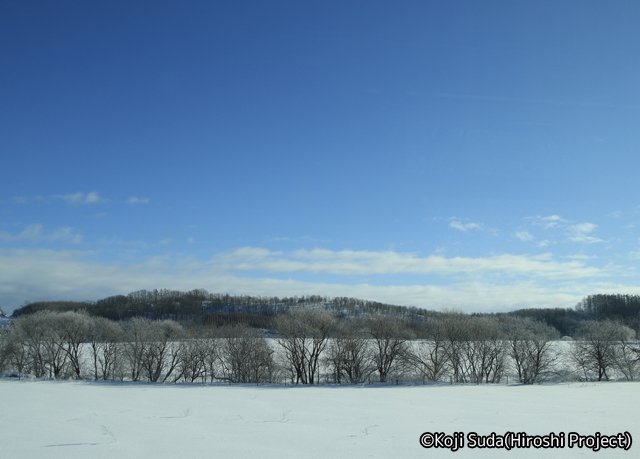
x=258, y=312
x=316, y=344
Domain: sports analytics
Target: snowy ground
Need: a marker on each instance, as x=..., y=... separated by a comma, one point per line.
x=48, y=419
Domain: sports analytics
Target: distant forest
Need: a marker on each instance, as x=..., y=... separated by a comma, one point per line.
x=206, y=308
x=201, y=307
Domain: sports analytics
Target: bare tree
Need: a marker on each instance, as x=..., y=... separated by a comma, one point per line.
x=135, y=345
x=627, y=355
x=530, y=346
x=192, y=356
x=349, y=353
x=245, y=356
x=594, y=349
x=5, y=347
x=303, y=334
x=483, y=351
x=73, y=328
x=15, y=350
x=160, y=357
x=199, y=358
x=148, y=348
x=45, y=344
x=105, y=340
x=474, y=347
x=389, y=341
x=455, y=328
x=429, y=357
x=209, y=347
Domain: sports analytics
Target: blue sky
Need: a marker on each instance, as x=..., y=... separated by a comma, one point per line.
x=481, y=156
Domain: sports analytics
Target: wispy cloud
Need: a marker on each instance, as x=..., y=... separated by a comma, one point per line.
x=65, y=233
x=136, y=200
x=577, y=232
x=28, y=200
x=31, y=233
x=36, y=233
x=457, y=224
x=80, y=197
x=580, y=256
x=580, y=233
x=46, y=274
x=349, y=262
x=129, y=244
x=550, y=221
x=306, y=238
x=525, y=236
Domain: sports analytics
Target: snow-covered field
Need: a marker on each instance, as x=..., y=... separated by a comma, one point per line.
x=49, y=419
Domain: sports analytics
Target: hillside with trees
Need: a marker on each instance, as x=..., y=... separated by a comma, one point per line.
x=218, y=309
x=202, y=307
x=170, y=336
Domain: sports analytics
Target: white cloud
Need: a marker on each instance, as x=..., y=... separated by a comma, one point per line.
x=584, y=238
x=190, y=240
x=35, y=233
x=135, y=200
x=524, y=236
x=550, y=221
x=92, y=197
x=65, y=233
x=45, y=274
x=81, y=198
x=348, y=262
x=31, y=233
x=457, y=224
x=75, y=198
x=580, y=233
x=635, y=255
x=583, y=227
x=580, y=256
x=306, y=239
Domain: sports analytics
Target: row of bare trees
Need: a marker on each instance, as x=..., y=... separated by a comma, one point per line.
x=311, y=345
x=75, y=345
